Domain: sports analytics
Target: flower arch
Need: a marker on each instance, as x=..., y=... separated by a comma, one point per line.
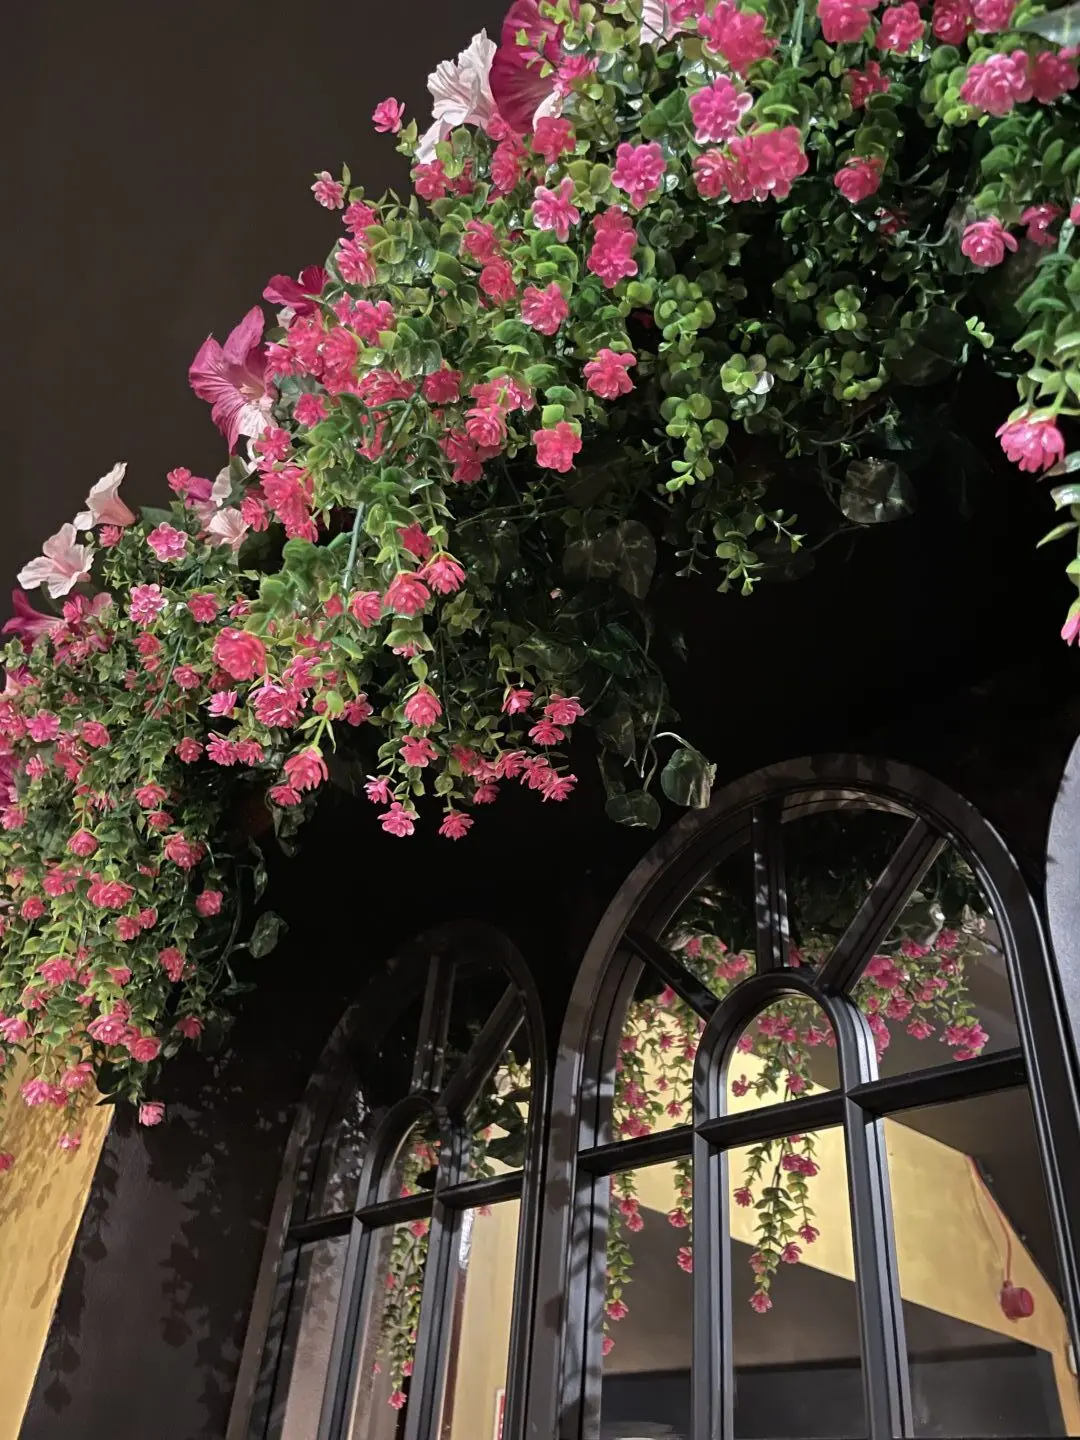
x=655, y=246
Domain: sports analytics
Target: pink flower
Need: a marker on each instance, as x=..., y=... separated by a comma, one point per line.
x=67, y=1141
x=617, y=1310
x=422, y=708
x=611, y=256
x=769, y=161
x=480, y=241
x=397, y=1400
x=442, y=387
x=149, y=797
x=109, y=894
x=330, y=193
x=397, y=820
x=460, y=93
x=7, y=1160
x=43, y=727
x=608, y=375
x=685, y=1259
x=208, y=903
x=518, y=82
x=952, y=21
x=456, y=825
x=1070, y=631
x=407, y=594
x=310, y=409
x=739, y=35
x=32, y=908
x=13, y=1029
x=94, y=733
x=717, y=110
x=190, y=1026
x=444, y=574
x=553, y=137
x=284, y=795
x=387, y=115
x=556, y=448
x=365, y=607
x=62, y=564
x=223, y=703
x=760, y=1302
x=299, y=296
x=497, y=280
x=354, y=263
x=151, y=1112
x=240, y=654
x=485, y=426
x=186, y=677
x=544, y=310
x=82, y=843
x=27, y=623
x=377, y=790
x=865, y=83
x=184, y=852
x=639, y=169
x=901, y=26
x=859, y=178
x=172, y=962
x=143, y=1048
x=545, y=733
x=145, y=603
x=998, y=83
x=992, y=15
x=790, y=1253
x=103, y=504
x=554, y=210
x=203, y=608
x=418, y=752
x=306, y=770
x=515, y=702
x=984, y=242
x=232, y=377
x=843, y=21
x=36, y=1091
x=563, y=709
x=167, y=542
x=1031, y=442
x=1051, y=76
x=1038, y=219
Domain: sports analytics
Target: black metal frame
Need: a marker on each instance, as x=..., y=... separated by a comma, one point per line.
x=447, y=1100
x=567, y=1356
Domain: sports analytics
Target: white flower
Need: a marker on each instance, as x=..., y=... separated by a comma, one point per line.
x=461, y=93
x=104, y=506
x=61, y=565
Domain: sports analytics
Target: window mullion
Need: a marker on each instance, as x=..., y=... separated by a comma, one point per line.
x=354, y=1304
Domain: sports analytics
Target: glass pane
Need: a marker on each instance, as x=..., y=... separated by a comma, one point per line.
x=788, y=1051
x=388, y=1343
x=713, y=933
x=308, y=1287
x=655, y=1065
x=416, y=1163
x=988, y=1344
x=795, y=1319
x=938, y=989
x=831, y=860
x=483, y=1306
x=499, y=1118
x=648, y=1304
x=339, y=1160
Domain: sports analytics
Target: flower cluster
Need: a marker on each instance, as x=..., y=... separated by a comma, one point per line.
x=654, y=239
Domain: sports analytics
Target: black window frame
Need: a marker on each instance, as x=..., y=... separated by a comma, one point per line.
x=567, y=1358
x=427, y=963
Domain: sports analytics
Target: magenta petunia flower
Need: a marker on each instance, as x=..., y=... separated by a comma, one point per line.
x=232, y=378
x=299, y=295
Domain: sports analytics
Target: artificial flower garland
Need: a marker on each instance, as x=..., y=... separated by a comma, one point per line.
x=658, y=241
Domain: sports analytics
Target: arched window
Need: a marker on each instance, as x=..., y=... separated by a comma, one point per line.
x=814, y=1145
x=397, y=1294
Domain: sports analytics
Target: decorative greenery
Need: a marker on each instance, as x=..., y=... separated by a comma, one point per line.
x=671, y=256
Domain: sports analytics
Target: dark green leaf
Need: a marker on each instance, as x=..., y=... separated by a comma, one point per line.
x=687, y=778
x=268, y=930
x=634, y=808
x=875, y=491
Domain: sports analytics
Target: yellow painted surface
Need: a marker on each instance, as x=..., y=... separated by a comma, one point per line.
x=485, y=1324
x=41, y=1203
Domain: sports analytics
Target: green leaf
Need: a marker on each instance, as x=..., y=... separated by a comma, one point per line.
x=876, y=491
x=1066, y=495
x=1062, y=26
x=268, y=929
x=935, y=349
x=1059, y=532
x=687, y=778
x=636, y=808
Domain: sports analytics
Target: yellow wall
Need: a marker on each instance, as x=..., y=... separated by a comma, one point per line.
x=41, y=1203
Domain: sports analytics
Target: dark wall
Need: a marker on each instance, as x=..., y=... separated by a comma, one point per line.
x=156, y=175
